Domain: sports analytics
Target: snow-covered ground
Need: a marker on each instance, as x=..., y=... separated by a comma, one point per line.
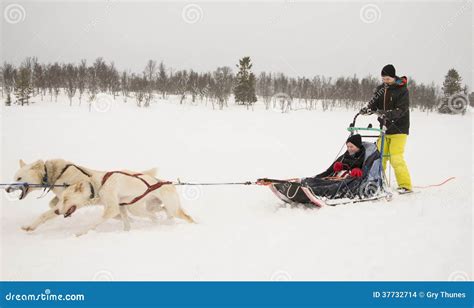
x=243, y=232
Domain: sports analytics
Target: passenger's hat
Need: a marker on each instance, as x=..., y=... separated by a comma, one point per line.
x=355, y=140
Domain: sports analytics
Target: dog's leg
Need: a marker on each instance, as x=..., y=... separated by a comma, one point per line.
x=170, y=198
x=111, y=209
x=49, y=214
x=181, y=214
x=125, y=220
x=119, y=217
x=53, y=202
x=140, y=209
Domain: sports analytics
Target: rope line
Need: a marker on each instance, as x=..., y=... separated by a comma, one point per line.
x=436, y=185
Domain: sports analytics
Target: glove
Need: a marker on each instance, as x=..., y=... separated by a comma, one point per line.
x=338, y=166
x=356, y=173
x=366, y=111
x=382, y=117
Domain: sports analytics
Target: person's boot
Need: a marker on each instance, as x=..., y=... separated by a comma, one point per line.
x=403, y=190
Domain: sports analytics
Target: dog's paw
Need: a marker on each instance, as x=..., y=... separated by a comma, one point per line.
x=80, y=233
x=27, y=228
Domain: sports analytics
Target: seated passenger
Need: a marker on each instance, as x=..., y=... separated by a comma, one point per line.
x=348, y=164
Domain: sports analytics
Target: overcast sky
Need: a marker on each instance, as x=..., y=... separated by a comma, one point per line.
x=421, y=39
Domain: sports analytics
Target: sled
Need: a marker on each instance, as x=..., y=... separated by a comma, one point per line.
x=320, y=192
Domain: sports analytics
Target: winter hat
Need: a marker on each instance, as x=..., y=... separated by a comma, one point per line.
x=355, y=140
x=388, y=70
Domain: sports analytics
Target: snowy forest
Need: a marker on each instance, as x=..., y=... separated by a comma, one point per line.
x=83, y=81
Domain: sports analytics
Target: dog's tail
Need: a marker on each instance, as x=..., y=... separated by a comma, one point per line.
x=151, y=172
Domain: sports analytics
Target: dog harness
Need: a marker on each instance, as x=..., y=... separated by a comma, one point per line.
x=46, y=179
x=150, y=187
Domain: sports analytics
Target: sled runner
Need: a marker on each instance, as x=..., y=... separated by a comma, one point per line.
x=319, y=192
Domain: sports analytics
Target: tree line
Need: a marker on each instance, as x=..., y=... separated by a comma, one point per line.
x=84, y=81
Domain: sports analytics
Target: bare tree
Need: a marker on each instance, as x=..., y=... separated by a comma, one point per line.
x=114, y=80
x=92, y=85
x=82, y=77
x=8, y=79
x=71, y=76
x=149, y=78
x=181, y=81
x=39, y=77
x=23, y=83
x=101, y=73
x=223, y=81
x=125, y=85
x=138, y=86
x=162, y=80
x=56, y=78
x=192, y=86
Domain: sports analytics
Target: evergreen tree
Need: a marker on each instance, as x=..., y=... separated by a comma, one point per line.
x=244, y=91
x=455, y=99
x=452, y=83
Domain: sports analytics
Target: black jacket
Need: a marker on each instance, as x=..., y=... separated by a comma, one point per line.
x=349, y=162
x=394, y=102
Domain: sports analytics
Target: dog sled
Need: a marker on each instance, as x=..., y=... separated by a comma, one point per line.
x=319, y=192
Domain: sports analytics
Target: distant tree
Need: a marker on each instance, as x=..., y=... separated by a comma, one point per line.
x=149, y=78
x=8, y=101
x=8, y=78
x=92, y=85
x=114, y=80
x=39, y=82
x=71, y=76
x=82, y=77
x=222, y=88
x=452, y=83
x=101, y=74
x=56, y=80
x=181, y=81
x=264, y=88
x=162, y=80
x=244, y=90
x=192, y=85
x=23, y=84
x=138, y=86
x=125, y=85
x=455, y=98
x=204, y=85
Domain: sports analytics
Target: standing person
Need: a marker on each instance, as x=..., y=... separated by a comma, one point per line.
x=392, y=105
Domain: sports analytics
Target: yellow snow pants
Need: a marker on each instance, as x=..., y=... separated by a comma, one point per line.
x=393, y=150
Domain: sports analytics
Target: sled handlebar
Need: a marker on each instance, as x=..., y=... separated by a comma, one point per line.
x=354, y=120
x=353, y=129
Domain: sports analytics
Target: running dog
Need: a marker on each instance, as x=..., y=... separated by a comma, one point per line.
x=47, y=173
x=61, y=172
x=121, y=191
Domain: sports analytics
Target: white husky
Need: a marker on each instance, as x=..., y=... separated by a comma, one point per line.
x=119, y=194
x=59, y=172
